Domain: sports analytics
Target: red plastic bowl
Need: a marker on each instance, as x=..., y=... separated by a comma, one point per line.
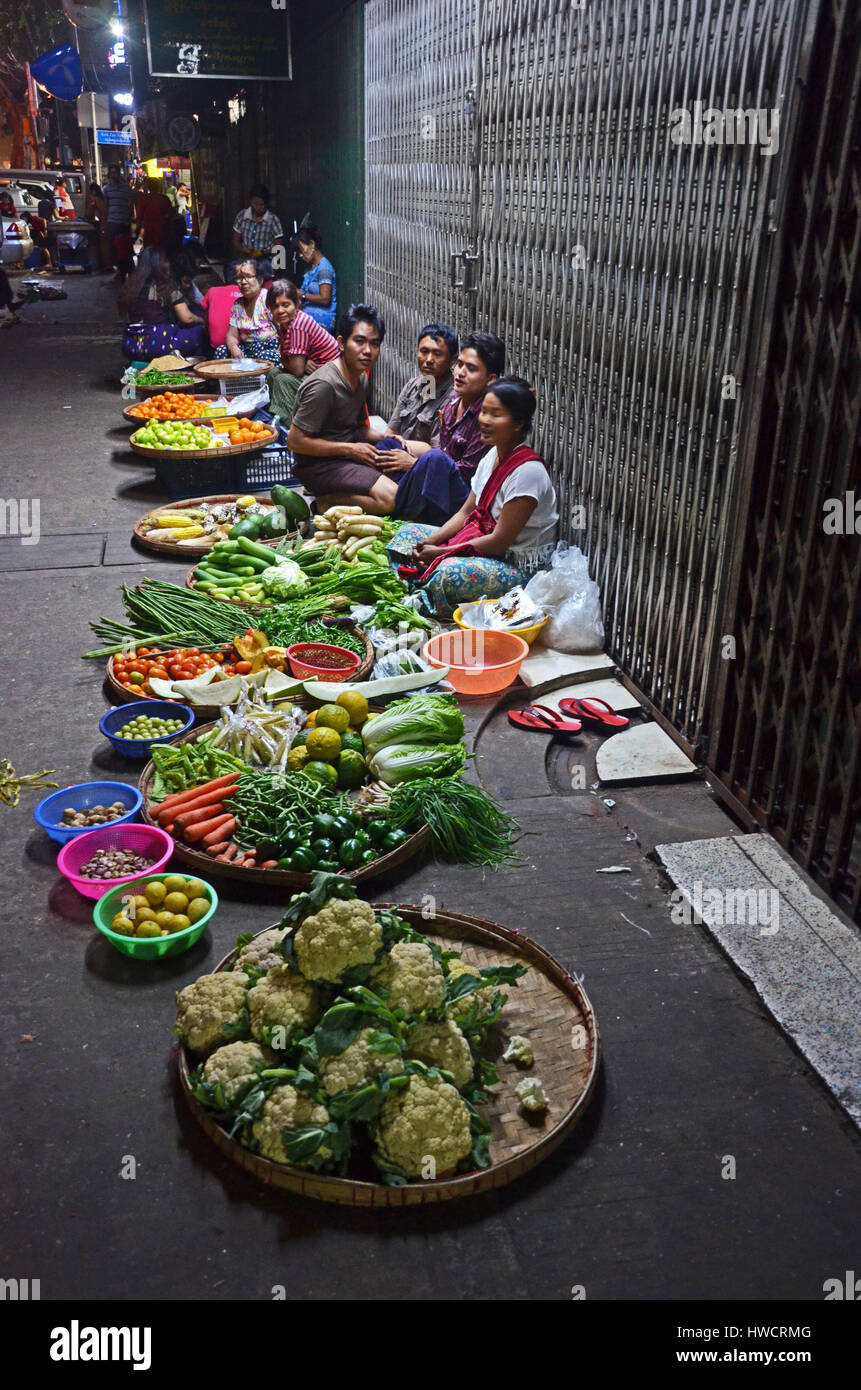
x=307, y=661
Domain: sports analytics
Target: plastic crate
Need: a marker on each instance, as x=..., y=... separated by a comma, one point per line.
x=239, y=473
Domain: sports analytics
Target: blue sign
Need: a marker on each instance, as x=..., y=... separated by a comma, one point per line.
x=59, y=72
x=113, y=137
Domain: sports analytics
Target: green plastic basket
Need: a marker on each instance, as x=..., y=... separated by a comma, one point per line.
x=149, y=947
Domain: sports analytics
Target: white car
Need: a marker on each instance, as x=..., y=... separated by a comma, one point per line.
x=25, y=199
x=16, y=243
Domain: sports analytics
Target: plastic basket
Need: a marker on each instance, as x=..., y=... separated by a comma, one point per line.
x=239, y=473
x=116, y=719
x=82, y=796
x=148, y=840
x=150, y=947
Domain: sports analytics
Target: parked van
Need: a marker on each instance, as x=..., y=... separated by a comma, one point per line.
x=74, y=179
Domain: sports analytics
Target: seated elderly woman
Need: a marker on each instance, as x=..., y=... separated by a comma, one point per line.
x=305, y=346
x=506, y=527
x=251, y=332
x=162, y=321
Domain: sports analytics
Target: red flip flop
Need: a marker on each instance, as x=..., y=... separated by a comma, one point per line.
x=595, y=711
x=543, y=720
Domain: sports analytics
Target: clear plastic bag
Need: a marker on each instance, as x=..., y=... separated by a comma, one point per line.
x=571, y=599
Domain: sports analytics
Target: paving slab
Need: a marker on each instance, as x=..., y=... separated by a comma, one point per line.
x=545, y=665
x=80, y=550
x=804, y=964
x=614, y=692
x=643, y=753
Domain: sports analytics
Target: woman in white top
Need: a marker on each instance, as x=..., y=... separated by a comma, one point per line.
x=505, y=529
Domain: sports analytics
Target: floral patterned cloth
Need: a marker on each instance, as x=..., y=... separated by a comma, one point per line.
x=262, y=349
x=460, y=579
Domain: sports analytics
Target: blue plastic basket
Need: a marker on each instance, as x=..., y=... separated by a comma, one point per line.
x=82, y=796
x=159, y=709
x=239, y=473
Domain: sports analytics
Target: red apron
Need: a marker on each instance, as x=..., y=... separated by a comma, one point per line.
x=480, y=522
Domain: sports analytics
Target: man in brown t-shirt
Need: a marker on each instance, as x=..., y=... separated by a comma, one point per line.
x=329, y=434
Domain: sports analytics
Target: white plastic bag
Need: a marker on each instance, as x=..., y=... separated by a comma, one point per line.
x=571, y=599
x=249, y=401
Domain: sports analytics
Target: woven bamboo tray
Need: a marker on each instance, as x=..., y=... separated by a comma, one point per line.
x=202, y=419
x=226, y=451
x=203, y=545
x=546, y=1005
x=212, y=371
x=280, y=878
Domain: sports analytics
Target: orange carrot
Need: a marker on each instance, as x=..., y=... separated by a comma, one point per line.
x=229, y=853
x=198, y=803
x=195, y=817
x=219, y=823
x=215, y=850
x=269, y=864
x=177, y=799
x=221, y=830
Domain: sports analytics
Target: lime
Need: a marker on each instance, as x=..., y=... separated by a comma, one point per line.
x=350, y=768
x=354, y=702
x=323, y=744
x=333, y=717
x=297, y=758
x=322, y=772
x=353, y=742
x=174, y=883
x=196, y=888
x=155, y=893
x=148, y=929
x=197, y=908
x=122, y=925
x=301, y=738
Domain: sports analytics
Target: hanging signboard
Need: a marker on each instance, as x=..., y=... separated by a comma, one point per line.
x=113, y=137
x=241, y=42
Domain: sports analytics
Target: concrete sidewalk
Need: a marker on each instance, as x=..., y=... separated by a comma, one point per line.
x=641, y=1202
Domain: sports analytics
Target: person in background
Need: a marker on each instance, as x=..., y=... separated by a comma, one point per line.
x=416, y=416
x=64, y=205
x=218, y=301
x=183, y=268
x=119, y=202
x=256, y=232
x=506, y=527
x=8, y=303
x=155, y=215
x=96, y=211
x=305, y=345
x=39, y=232
x=251, y=332
x=318, y=290
x=433, y=482
x=335, y=458
x=163, y=322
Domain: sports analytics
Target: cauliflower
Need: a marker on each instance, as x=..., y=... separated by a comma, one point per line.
x=235, y=1068
x=412, y=977
x=282, y=999
x=209, y=1006
x=484, y=997
x=343, y=934
x=357, y=1064
x=518, y=1050
x=424, y=1129
x=442, y=1045
x=262, y=952
x=530, y=1093
x=287, y=1108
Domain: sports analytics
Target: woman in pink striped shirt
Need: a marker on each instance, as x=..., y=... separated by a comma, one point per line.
x=305, y=346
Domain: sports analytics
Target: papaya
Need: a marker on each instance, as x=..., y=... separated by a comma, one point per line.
x=249, y=526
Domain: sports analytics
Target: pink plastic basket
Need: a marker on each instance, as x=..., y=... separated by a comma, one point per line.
x=147, y=840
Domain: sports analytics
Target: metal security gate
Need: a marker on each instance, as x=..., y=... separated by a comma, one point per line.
x=420, y=64
x=622, y=174
x=787, y=744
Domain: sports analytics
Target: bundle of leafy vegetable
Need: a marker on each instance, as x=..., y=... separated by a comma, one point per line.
x=466, y=825
x=284, y=629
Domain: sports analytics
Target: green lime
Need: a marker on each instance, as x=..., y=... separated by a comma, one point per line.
x=350, y=768
x=322, y=772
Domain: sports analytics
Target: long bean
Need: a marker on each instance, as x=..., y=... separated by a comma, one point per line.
x=466, y=825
